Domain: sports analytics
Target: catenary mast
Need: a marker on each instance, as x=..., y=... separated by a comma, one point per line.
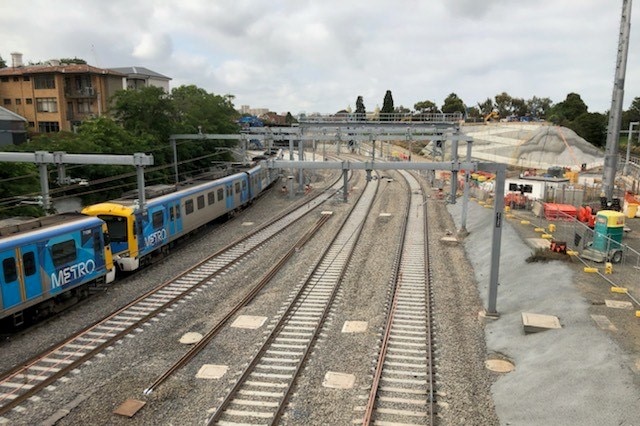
x=615, y=114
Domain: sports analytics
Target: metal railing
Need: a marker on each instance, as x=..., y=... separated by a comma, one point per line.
x=382, y=117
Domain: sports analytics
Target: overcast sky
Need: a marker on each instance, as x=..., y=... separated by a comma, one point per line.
x=318, y=56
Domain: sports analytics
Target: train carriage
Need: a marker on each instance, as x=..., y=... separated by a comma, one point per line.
x=173, y=212
x=46, y=260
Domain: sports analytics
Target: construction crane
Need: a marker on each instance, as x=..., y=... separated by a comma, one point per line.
x=615, y=114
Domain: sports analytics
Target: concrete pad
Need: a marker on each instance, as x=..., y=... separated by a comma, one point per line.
x=355, y=326
x=534, y=323
x=449, y=240
x=248, y=223
x=539, y=243
x=190, y=338
x=249, y=321
x=499, y=365
x=129, y=408
x=211, y=371
x=603, y=322
x=338, y=380
x=618, y=304
x=384, y=216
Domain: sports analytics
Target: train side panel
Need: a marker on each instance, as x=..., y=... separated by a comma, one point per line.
x=42, y=264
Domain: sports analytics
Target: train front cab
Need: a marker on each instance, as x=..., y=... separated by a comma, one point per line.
x=123, y=233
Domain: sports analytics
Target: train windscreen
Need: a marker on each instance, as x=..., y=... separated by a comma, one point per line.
x=117, y=228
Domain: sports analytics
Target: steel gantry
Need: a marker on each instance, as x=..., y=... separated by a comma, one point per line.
x=43, y=158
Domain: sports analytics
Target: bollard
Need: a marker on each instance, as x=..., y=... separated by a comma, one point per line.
x=552, y=227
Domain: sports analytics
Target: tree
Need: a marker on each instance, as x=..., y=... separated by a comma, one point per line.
x=538, y=107
x=592, y=126
x=148, y=110
x=426, y=107
x=503, y=104
x=453, y=104
x=3, y=63
x=198, y=110
x=401, y=110
x=290, y=119
x=519, y=107
x=567, y=110
x=387, y=104
x=361, y=111
x=486, y=107
x=73, y=60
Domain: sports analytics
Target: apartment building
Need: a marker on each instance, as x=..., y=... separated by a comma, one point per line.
x=138, y=77
x=57, y=96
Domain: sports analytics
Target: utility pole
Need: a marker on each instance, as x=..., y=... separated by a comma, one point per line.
x=615, y=114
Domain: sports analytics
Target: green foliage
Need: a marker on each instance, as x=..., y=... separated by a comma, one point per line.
x=486, y=107
x=360, y=109
x=567, y=110
x=290, y=119
x=73, y=60
x=387, y=104
x=503, y=104
x=538, y=107
x=3, y=63
x=452, y=104
x=426, y=107
x=592, y=126
x=146, y=111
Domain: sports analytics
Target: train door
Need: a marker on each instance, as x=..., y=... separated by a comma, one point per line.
x=229, y=196
x=30, y=271
x=11, y=291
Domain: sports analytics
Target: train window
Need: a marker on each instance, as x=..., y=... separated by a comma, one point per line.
x=29, y=262
x=63, y=253
x=9, y=268
x=244, y=185
x=220, y=194
x=237, y=185
x=157, y=219
x=117, y=226
x=178, y=211
x=188, y=206
x=229, y=193
x=171, y=213
x=211, y=197
x=200, y=202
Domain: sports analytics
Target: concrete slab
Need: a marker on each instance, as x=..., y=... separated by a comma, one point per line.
x=536, y=243
x=618, y=304
x=603, y=322
x=355, y=326
x=129, y=408
x=248, y=223
x=190, y=338
x=534, y=323
x=249, y=321
x=212, y=371
x=499, y=365
x=338, y=380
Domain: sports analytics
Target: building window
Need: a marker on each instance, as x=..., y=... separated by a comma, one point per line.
x=26, y=78
x=6, y=101
x=46, y=105
x=29, y=101
x=48, y=126
x=16, y=78
x=32, y=124
x=44, y=82
x=4, y=79
x=84, y=107
x=18, y=101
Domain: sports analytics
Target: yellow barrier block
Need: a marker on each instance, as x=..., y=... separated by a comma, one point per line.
x=622, y=290
x=481, y=203
x=488, y=206
x=507, y=208
x=638, y=314
x=538, y=229
x=546, y=236
x=572, y=252
x=608, y=268
x=552, y=228
x=510, y=216
x=590, y=269
x=524, y=222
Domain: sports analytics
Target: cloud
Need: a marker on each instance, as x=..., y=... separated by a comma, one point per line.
x=153, y=46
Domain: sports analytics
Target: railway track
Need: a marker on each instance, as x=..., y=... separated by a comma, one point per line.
x=42, y=370
x=402, y=391
x=260, y=394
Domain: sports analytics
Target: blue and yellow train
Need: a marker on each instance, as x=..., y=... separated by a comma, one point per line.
x=49, y=261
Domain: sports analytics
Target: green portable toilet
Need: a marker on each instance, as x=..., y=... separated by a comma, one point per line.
x=608, y=230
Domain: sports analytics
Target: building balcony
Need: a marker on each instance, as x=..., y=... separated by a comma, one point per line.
x=83, y=92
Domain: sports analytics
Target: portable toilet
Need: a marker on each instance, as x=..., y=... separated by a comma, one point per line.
x=608, y=230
